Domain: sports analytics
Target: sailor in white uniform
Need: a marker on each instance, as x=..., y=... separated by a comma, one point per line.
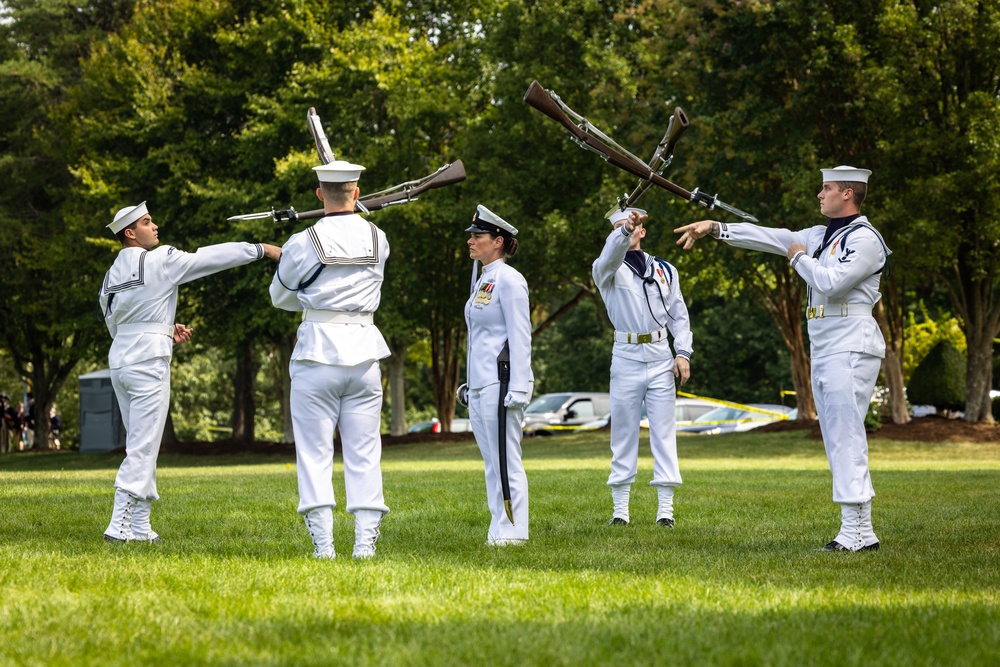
x=498, y=317
x=841, y=263
x=643, y=296
x=332, y=273
x=138, y=301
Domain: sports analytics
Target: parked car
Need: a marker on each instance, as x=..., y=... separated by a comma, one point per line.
x=432, y=426
x=550, y=414
x=687, y=410
x=460, y=425
x=726, y=419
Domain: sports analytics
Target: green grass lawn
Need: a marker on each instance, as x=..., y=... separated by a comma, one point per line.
x=739, y=581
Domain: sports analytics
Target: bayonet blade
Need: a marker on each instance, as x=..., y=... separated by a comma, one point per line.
x=735, y=211
x=252, y=216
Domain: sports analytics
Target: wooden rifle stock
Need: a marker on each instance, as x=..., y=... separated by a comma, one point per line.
x=452, y=173
x=675, y=128
x=537, y=97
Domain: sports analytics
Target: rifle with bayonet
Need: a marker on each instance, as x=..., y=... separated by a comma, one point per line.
x=587, y=136
x=453, y=172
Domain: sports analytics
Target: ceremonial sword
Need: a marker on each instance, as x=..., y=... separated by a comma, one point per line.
x=503, y=367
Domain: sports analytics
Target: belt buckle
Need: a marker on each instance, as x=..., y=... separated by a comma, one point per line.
x=644, y=338
x=813, y=312
x=844, y=309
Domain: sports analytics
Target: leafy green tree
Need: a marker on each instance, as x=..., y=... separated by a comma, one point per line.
x=942, y=63
x=51, y=274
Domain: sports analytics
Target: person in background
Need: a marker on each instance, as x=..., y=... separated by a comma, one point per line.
x=55, y=426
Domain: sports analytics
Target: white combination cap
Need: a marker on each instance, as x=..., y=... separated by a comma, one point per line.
x=338, y=171
x=848, y=174
x=486, y=221
x=619, y=214
x=127, y=216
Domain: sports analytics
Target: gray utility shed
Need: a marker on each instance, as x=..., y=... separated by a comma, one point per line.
x=101, y=426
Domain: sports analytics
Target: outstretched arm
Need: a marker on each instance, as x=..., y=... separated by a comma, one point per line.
x=696, y=230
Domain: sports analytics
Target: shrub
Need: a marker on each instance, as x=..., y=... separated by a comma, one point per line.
x=939, y=380
x=873, y=418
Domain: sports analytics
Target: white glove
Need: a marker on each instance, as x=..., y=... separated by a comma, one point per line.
x=516, y=400
x=462, y=395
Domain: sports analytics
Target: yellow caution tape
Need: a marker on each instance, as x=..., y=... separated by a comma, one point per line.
x=738, y=406
x=684, y=394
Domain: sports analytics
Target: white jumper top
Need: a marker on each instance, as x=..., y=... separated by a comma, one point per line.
x=629, y=300
x=139, y=296
x=351, y=253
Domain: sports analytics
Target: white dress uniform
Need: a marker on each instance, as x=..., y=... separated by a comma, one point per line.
x=139, y=300
x=498, y=312
x=333, y=274
x=643, y=309
x=846, y=346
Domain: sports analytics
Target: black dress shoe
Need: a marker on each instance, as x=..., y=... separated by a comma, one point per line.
x=617, y=521
x=837, y=546
x=665, y=522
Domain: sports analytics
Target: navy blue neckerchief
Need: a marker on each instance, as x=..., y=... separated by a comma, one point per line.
x=833, y=226
x=636, y=261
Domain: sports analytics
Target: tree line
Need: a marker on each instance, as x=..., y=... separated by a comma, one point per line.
x=199, y=109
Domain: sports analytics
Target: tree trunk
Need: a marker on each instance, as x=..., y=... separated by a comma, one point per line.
x=244, y=407
x=979, y=377
x=562, y=311
x=48, y=376
x=169, y=433
x=283, y=355
x=781, y=294
x=396, y=365
x=891, y=324
x=977, y=303
x=446, y=356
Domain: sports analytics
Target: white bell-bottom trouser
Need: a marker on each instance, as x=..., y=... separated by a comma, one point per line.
x=842, y=388
x=326, y=397
x=143, y=392
x=483, y=415
x=631, y=383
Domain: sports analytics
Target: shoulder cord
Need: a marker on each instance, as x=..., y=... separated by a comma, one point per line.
x=304, y=284
x=102, y=316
